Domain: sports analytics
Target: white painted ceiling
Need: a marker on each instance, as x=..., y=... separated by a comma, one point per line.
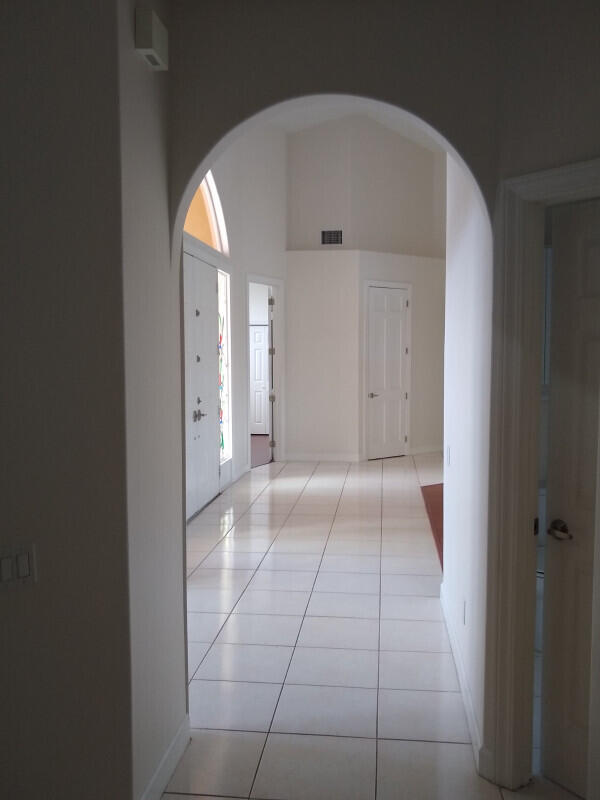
x=308, y=112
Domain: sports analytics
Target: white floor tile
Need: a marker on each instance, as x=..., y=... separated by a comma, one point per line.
x=429, y=671
x=272, y=602
x=287, y=561
x=326, y=710
x=245, y=662
x=356, y=634
x=298, y=545
x=429, y=771
x=260, y=629
x=233, y=705
x=352, y=582
x=415, y=635
x=425, y=716
x=298, y=767
x=399, y=565
x=218, y=762
x=227, y=559
x=352, y=547
x=283, y=580
x=420, y=585
x=222, y=579
x=329, y=667
x=334, y=539
x=213, y=600
x=195, y=558
x=429, y=467
x=203, y=627
x=351, y=564
x=340, y=604
x=244, y=545
x=195, y=654
x=409, y=607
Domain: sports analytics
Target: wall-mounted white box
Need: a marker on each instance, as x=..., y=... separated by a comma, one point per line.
x=151, y=39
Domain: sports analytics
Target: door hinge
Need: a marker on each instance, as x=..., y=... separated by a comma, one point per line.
x=406, y=395
x=536, y=526
x=407, y=303
x=272, y=397
x=406, y=438
x=406, y=350
x=271, y=351
x=271, y=301
x=272, y=443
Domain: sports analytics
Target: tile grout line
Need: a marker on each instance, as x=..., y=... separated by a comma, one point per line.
x=255, y=569
x=301, y=624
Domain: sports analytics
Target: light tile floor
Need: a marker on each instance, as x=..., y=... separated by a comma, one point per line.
x=319, y=663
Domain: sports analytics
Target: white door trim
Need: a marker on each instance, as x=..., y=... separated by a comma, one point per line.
x=198, y=249
x=278, y=430
x=505, y=756
x=363, y=362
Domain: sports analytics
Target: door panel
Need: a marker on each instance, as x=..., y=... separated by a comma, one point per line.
x=259, y=379
x=572, y=482
x=201, y=383
x=387, y=371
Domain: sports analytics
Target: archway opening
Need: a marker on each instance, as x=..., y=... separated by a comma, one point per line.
x=326, y=290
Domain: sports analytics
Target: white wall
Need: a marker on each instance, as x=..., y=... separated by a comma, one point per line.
x=325, y=336
x=322, y=367
x=385, y=192
x=251, y=181
x=155, y=507
x=64, y=640
x=427, y=279
x=258, y=304
x=467, y=369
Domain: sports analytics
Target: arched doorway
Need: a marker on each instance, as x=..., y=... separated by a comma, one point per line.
x=469, y=308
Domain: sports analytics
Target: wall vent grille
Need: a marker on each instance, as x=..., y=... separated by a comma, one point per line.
x=331, y=237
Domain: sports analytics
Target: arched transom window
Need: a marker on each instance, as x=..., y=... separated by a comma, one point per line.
x=205, y=220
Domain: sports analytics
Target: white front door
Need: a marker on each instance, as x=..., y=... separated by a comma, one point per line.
x=572, y=487
x=387, y=372
x=259, y=379
x=201, y=336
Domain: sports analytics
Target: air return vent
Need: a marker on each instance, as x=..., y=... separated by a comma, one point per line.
x=331, y=237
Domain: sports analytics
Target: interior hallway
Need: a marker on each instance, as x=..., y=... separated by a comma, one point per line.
x=319, y=662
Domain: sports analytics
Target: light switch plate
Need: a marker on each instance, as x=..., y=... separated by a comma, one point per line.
x=18, y=565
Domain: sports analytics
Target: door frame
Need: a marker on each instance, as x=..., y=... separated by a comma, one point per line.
x=505, y=755
x=278, y=427
x=363, y=381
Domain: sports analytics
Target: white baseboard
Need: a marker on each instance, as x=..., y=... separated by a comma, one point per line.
x=322, y=457
x=476, y=741
x=168, y=762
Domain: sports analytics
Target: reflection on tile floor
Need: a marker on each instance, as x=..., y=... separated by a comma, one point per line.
x=319, y=662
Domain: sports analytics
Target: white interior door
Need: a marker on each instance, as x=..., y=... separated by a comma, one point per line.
x=201, y=383
x=572, y=489
x=259, y=379
x=387, y=372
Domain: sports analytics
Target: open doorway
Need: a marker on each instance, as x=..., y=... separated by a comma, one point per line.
x=261, y=347
x=354, y=537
